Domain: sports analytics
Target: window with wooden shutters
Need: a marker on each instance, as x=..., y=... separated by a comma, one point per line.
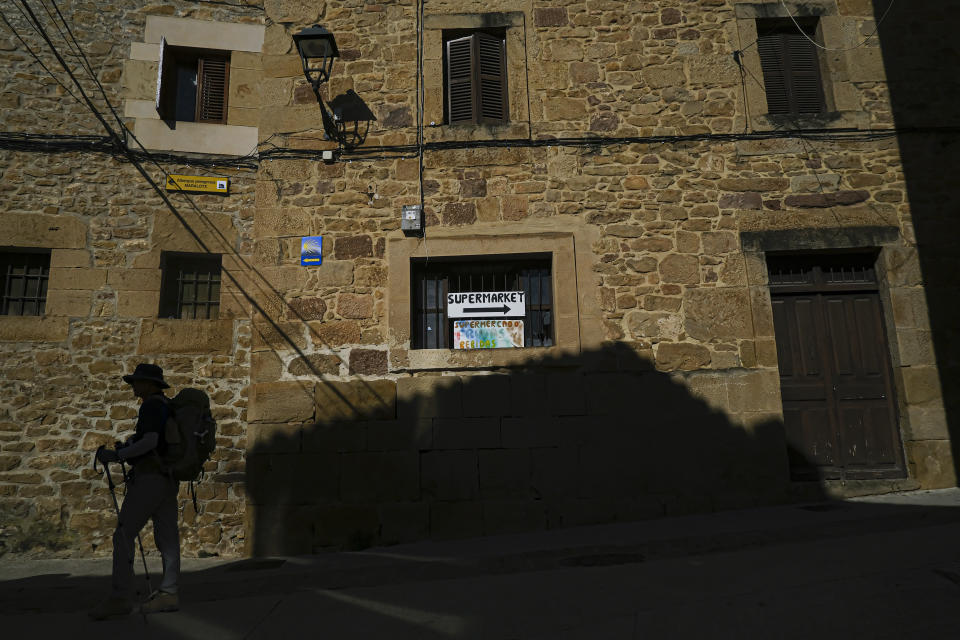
x=476, y=77
x=193, y=84
x=791, y=67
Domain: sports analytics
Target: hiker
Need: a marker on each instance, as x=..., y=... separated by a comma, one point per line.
x=151, y=493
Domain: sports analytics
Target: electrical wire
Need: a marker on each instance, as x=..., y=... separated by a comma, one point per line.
x=817, y=44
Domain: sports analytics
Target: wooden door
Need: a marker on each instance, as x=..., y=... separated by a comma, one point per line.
x=835, y=377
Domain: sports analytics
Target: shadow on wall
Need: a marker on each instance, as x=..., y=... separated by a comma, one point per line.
x=565, y=441
x=918, y=41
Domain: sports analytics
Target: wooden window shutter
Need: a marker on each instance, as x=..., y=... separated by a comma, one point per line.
x=212, y=85
x=791, y=72
x=492, y=77
x=806, y=86
x=461, y=96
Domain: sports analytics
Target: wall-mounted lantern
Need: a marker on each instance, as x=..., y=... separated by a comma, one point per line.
x=317, y=48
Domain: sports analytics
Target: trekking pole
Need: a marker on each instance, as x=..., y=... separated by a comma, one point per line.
x=113, y=494
x=116, y=508
x=146, y=572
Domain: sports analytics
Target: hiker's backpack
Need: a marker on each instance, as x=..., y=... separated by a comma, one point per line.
x=191, y=434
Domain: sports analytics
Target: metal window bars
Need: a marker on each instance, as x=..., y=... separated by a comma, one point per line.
x=25, y=283
x=432, y=329
x=191, y=287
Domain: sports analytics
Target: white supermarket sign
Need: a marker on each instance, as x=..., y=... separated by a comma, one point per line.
x=486, y=304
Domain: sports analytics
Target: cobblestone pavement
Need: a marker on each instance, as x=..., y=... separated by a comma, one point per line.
x=885, y=567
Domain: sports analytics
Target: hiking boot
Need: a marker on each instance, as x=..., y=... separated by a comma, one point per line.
x=161, y=601
x=112, y=607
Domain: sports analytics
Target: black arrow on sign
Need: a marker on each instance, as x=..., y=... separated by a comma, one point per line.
x=502, y=309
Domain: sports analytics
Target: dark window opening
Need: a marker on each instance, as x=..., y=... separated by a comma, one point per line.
x=193, y=85
x=475, y=76
x=791, y=66
x=25, y=277
x=432, y=280
x=191, y=286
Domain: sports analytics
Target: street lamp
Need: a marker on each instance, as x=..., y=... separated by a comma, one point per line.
x=317, y=48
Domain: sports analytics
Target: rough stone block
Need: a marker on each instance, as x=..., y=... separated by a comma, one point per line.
x=680, y=269
x=351, y=527
x=70, y=303
x=69, y=258
x=278, y=336
x=513, y=516
x=550, y=17
x=273, y=438
x=356, y=400
x=486, y=395
x=681, y=355
x=134, y=279
x=352, y=247
x=77, y=278
x=356, y=306
x=342, y=436
x=186, y=336
x=400, y=435
x=448, y=475
x=527, y=391
x=518, y=433
x=717, y=314
x=931, y=463
x=281, y=402
x=265, y=366
x=921, y=384
x=380, y=476
x=565, y=394
x=335, y=333
x=645, y=324
x=504, y=474
x=451, y=520
x=466, y=433
x=138, y=304
x=317, y=364
x=401, y=523
x=429, y=397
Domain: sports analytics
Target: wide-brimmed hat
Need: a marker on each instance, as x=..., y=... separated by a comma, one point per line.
x=149, y=373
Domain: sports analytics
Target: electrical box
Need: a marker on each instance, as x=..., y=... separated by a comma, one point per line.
x=412, y=218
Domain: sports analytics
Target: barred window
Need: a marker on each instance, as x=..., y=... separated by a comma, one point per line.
x=433, y=279
x=190, y=288
x=25, y=276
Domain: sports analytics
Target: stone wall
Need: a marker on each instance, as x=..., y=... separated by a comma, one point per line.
x=662, y=395
x=60, y=390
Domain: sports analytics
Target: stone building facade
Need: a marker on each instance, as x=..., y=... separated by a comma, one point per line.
x=639, y=168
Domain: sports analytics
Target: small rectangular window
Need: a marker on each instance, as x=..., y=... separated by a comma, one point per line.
x=791, y=66
x=475, y=72
x=432, y=280
x=191, y=286
x=25, y=277
x=193, y=84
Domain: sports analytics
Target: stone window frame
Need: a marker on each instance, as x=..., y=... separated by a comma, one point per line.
x=577, y=320
x=241, y=43
x=843, y=109
x=518, y=102
x=902, y=300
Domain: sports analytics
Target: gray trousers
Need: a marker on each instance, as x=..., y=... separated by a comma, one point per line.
x=149, y=496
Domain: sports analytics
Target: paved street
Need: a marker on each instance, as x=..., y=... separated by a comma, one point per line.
x=885, y=567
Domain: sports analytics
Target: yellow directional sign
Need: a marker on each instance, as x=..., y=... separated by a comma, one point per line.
x=198, y=184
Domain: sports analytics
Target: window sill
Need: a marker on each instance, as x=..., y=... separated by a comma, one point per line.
x=471, y=132
x=195, y=137
x=453, y=359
